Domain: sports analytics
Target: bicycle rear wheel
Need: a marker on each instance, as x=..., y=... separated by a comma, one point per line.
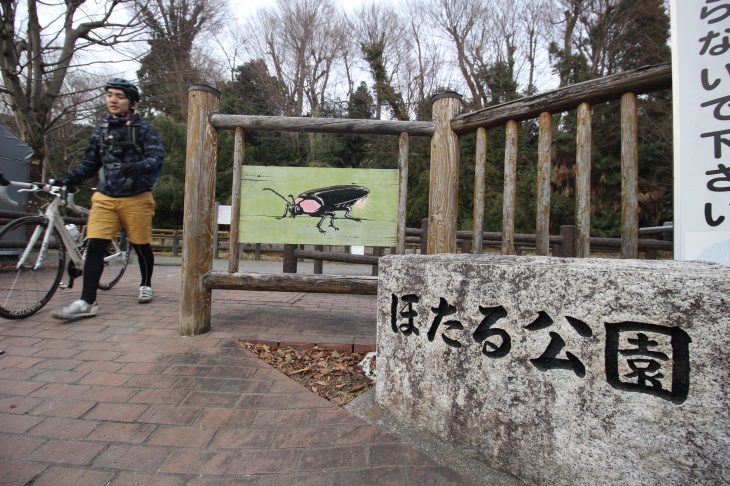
x=24, y=289
x=115, y=261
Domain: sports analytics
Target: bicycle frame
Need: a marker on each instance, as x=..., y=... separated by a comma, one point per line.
x=39, y=261
x=55, y=220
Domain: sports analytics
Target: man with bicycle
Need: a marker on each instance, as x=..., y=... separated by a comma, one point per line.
x=127, y=154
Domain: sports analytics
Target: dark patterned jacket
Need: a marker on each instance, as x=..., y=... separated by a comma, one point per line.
x=120, y=141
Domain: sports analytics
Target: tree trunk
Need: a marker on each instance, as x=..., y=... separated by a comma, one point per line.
x=34, y=138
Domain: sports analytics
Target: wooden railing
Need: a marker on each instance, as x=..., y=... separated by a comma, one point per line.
x=561, y=245
x=416, y=241
x=624, y=86
x=445, y=129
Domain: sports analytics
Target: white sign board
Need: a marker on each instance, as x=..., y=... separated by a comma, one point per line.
x=357, y=250
x=224, y=214
x=701, y=91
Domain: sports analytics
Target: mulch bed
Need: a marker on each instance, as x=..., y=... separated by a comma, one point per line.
x=335, y=375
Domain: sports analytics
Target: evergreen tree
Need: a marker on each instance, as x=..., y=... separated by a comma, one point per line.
x=644, y=39
x=164, y=74
x=255, y=92
x=354, y=147
x=639, y=37
x=632, y=33
x=572, y=68
x=385, y=93
x=169, y=192
x=168, y=69
x=360, y=105
x=500, y=82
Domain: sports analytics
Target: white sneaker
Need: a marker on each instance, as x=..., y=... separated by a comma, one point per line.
x=145, y=294
x=76, y=310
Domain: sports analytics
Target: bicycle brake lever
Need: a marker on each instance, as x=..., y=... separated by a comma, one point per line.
x=55, y=190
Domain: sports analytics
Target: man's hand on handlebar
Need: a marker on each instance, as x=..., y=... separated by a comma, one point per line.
x=62, y=183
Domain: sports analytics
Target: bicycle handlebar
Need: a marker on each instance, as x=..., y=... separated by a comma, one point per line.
x=65, y=194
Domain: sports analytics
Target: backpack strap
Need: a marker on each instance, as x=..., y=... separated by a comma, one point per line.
x=104, y=137
x=132, y=131
x=108, y=143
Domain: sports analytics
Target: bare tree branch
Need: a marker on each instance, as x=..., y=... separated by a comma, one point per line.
x=36, y=58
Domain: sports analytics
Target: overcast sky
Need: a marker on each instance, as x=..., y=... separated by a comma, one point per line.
x=242, y=9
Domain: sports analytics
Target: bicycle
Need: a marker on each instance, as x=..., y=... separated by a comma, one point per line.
x=33, y=252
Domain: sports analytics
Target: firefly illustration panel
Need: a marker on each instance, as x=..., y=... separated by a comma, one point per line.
x=319, y=206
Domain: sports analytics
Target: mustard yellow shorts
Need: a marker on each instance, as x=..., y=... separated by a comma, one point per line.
x=108, y=214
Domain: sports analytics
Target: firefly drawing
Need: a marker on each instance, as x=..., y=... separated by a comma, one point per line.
x=325, y=202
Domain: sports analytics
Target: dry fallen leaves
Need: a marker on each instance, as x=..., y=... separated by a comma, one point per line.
x=333, y=375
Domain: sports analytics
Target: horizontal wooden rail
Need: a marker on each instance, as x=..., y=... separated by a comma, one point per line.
x=334, y=256
x=492, y=239
x=610, y=88
x=493, y=236
x=322, y=125
x=415, y=235
x=615, y=244
x=10, y=215
x=657, y=230
x=291, y=282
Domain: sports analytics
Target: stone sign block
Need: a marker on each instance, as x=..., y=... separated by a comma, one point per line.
x=562, y=371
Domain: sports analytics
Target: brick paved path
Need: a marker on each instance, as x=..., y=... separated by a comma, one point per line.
x=122, y=399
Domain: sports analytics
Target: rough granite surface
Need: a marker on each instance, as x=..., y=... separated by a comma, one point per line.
x=562, y=371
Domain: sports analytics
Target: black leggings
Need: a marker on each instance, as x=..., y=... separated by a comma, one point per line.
x=146, y=259
x=94, y=266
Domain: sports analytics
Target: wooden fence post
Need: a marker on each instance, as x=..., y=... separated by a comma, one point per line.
x=233, y=247
x=176, y=242
x=318, y=265
x=215, y=231
x=544, y=151
x=569, y=235
x=403, y=148
x=378, y=252
x=629, y=177
x=199, y=222
x=290, y=261
x=465, y=246
x=583, y=181
x=444, y=187
x=424, y=236
x=510, y=189
x=480, y=182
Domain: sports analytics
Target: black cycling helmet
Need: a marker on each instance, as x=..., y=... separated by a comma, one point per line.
x=129, y=89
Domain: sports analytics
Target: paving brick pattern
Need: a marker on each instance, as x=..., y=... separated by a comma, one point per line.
x=297, y=319
x=122, y=399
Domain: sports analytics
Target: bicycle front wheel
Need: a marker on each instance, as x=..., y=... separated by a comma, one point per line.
x=27, y=283
x=115, y=261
